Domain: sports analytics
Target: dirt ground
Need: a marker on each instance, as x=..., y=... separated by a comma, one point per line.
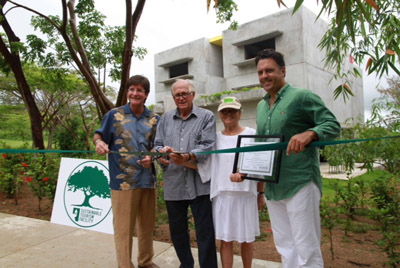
x=356, y=250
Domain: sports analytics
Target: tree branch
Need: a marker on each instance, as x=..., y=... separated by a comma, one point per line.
x=37, y=13
x=130, y=24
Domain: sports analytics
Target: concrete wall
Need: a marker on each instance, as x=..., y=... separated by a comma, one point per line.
x=297, y=37
x=215, y=69
x=204, y=69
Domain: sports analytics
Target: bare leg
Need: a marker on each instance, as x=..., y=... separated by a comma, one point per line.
x=226, y=254
x=247, y=254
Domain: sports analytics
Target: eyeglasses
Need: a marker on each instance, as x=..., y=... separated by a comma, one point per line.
x=182, y=95
x=228, y=111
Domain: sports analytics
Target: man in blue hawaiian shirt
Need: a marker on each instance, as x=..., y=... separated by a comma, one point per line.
x=131, y=127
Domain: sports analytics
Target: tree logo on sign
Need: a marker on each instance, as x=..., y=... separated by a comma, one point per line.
x=87, y=194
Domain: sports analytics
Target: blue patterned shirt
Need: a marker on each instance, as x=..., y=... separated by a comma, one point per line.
x=124, y=132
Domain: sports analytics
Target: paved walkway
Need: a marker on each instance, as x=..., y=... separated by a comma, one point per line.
x=27, y=242
x=324, y=166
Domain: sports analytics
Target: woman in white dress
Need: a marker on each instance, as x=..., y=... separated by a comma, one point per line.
x=235, y=205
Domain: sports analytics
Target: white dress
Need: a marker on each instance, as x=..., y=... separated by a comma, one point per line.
x=235, y=212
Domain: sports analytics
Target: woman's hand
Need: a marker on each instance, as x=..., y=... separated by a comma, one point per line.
x=236, y=177
x=145, y=162
x=101, y=147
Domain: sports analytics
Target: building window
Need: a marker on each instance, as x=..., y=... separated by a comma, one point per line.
x=178, y=70
x=251, y=50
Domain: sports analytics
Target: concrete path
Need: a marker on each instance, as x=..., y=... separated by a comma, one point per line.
x=27, y=242
x=324, y=167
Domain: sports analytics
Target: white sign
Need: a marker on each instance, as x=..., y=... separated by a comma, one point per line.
x=83, y=196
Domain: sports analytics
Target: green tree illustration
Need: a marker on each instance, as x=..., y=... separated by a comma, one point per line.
x=92, y=182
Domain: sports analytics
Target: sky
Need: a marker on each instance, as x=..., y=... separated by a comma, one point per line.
x=165, y=24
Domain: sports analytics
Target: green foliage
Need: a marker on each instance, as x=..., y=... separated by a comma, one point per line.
x=386, y=197
x=329, y=216
x=263, y=214
x=12, y=171
x=384, y=122
x=71, y=138
x=151, y=107
x=8, y=87
x=102, y=44
x=9, y=174
x=225, y=9
x=42, y=176
x=330, y=189
x=349, y=196
x=365, y=31
x=342, y=156
x=362, y=188
x=217, y=96
x=59, y=94
x=381, y=191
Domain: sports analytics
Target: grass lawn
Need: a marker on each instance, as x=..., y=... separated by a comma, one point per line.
x=328, y=190
x=15, y=144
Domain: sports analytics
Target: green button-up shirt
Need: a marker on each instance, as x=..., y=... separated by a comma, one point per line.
x=295, y=111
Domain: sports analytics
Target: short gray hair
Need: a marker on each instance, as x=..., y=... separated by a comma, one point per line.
x=187, y=81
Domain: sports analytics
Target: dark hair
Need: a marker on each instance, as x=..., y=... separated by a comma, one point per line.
x=270, y=53
x=139, y=80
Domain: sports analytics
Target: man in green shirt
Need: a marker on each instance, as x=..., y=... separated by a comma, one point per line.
x=293, y=203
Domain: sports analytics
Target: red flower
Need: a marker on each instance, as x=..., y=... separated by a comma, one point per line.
x=390, y=193
x=24, y=164
x=28, y=179
x=21, y=173
x=268, y=230
x=20, y=156
x=45, y=179
x=4, y=156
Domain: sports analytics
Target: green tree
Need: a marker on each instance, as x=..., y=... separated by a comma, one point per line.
x=57, y=92
x=85, y=44
x=88, y=46
x=92, y=182
x=10, y=48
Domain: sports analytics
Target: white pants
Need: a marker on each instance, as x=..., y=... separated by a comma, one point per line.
x=297, y=229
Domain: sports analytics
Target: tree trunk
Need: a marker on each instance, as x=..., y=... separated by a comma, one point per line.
x=131, y=23
x=13, y=60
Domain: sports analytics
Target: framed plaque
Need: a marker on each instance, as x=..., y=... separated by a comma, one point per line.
x=262, y=165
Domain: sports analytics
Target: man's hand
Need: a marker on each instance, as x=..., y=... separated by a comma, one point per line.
x=101, y=147
x=299, y=142
x=179, y=159
x=163, y=160
x=145, y=162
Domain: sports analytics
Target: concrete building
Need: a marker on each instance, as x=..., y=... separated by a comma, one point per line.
x=227, y=63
